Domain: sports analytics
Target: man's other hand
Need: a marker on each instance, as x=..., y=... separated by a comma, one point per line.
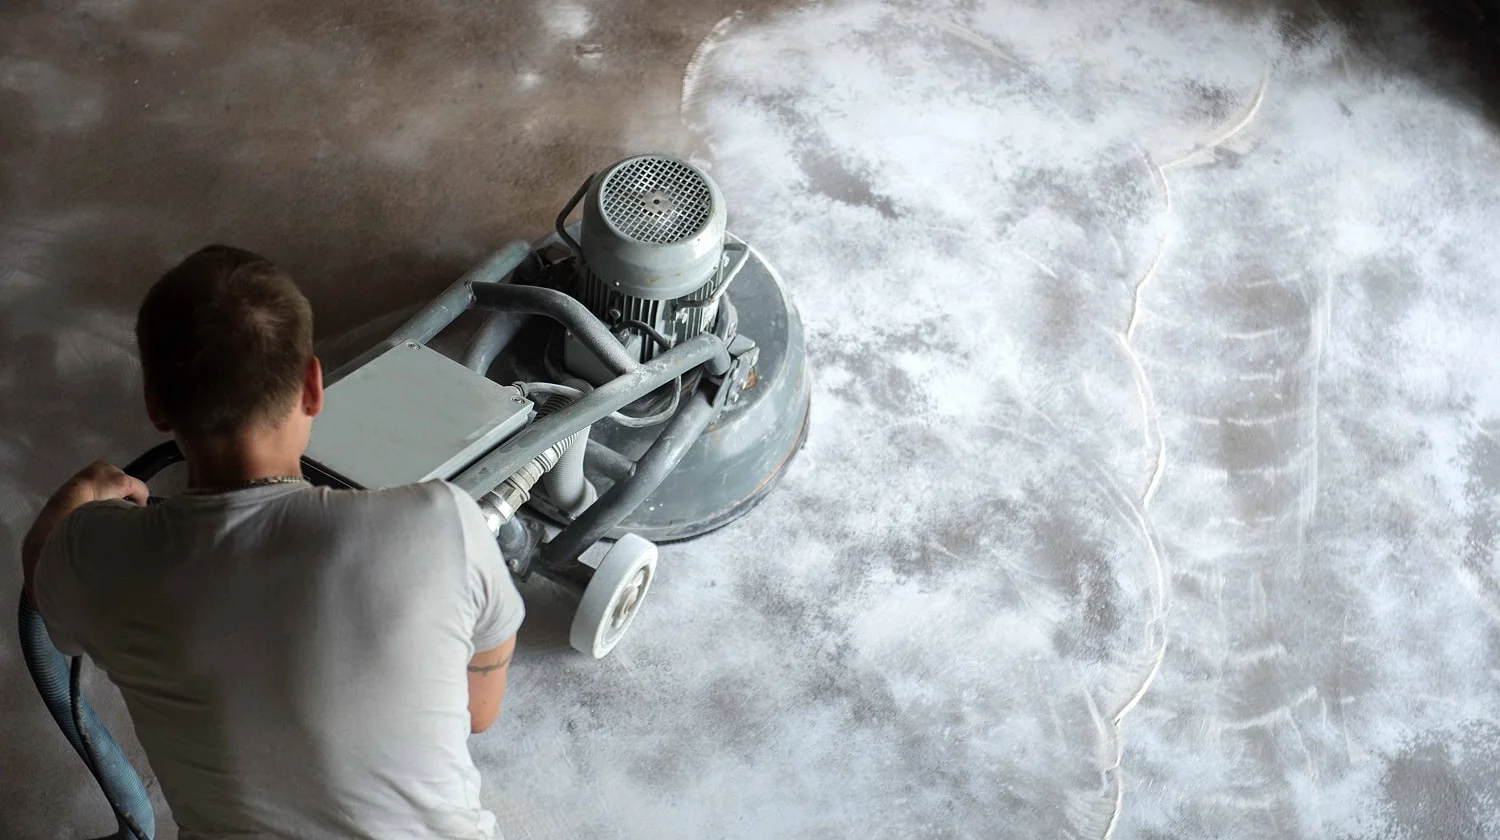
x=101, y=481
x=97, y=482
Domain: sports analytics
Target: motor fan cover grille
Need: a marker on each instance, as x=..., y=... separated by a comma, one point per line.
x=656, y=200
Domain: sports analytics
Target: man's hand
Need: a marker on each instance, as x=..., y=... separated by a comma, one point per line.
x=97, y=482
x=102, y=481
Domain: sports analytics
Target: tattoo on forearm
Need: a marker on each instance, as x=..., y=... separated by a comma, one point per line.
x=485, y=669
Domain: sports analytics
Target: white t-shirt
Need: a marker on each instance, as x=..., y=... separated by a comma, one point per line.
x=293, y=658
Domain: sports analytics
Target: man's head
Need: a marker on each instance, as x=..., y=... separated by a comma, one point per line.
x=226, y=349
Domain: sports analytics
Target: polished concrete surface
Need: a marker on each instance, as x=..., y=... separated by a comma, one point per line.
x=1153, y=487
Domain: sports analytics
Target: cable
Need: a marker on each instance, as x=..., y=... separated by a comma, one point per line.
x=661, y=341
x=662, y=416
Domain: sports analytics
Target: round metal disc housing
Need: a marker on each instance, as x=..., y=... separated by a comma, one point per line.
x=746, y=450
x=653, y=227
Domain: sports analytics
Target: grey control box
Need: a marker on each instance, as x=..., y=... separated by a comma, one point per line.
x=412, y=414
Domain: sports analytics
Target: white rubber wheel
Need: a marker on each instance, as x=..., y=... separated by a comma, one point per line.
x=613, y=596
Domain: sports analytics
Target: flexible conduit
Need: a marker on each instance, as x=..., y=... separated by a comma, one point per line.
x=57, y=681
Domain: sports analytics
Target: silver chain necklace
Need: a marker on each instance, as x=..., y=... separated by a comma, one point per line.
x=252, y=483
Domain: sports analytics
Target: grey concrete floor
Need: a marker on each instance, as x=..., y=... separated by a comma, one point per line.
x=1153, y=489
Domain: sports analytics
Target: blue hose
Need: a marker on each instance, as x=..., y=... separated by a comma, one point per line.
x=57, y=680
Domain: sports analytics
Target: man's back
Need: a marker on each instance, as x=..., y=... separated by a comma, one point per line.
x=293, y=659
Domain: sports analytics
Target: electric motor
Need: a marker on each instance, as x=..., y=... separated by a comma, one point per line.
x=652, y=255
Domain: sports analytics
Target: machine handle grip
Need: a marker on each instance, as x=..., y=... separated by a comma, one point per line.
x=562, y=218
x=729, y=274
x=734, y=270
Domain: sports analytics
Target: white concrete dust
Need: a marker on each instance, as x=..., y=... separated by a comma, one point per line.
x=61, y=103
x=567, y=20
x=967, y=181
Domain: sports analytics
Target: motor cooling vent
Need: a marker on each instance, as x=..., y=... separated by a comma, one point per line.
x=656, y=200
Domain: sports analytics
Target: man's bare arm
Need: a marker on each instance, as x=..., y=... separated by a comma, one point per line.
x=97, y=482
x=489, y=669
x=487, y=674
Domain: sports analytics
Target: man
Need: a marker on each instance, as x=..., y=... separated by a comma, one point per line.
x=293, y=658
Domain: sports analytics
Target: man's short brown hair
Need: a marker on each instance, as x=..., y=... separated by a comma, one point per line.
x=225, y=338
